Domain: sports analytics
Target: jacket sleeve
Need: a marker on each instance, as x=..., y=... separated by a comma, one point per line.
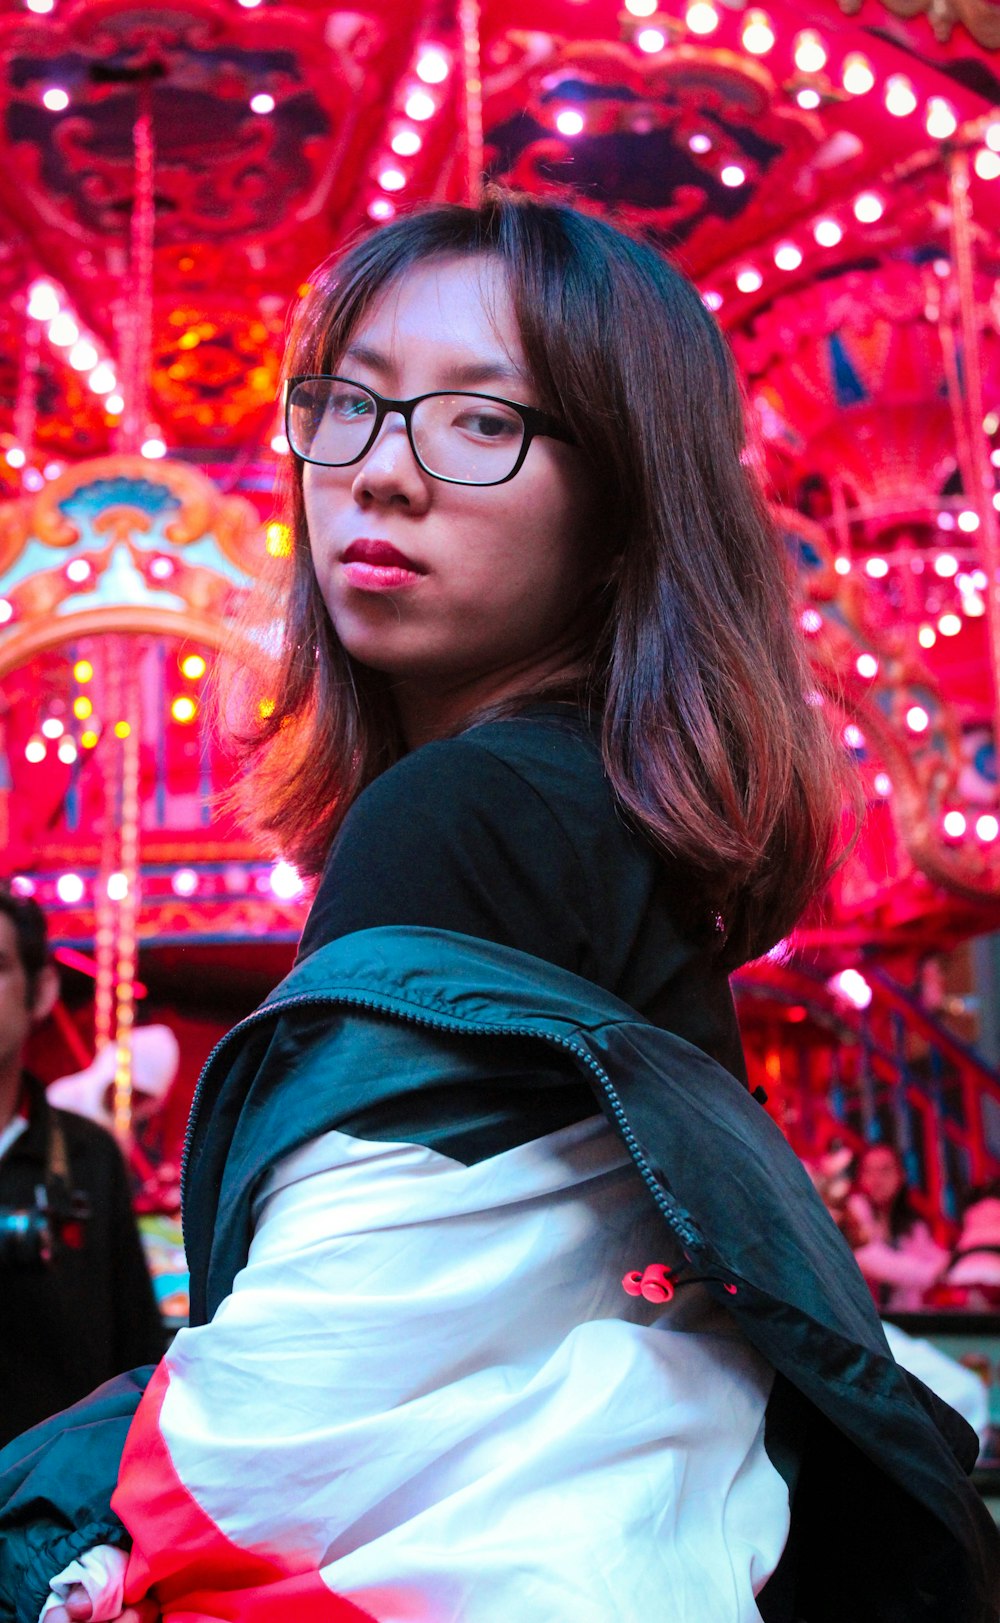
x=56, y=1483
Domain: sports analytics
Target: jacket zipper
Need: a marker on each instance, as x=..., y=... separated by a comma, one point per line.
x=685, y=1231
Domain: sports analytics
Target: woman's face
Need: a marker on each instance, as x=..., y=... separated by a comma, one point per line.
x=880, y=1176
x=497, y=573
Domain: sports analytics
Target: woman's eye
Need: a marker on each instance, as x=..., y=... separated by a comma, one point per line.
x=489, y=425
x=350, y=405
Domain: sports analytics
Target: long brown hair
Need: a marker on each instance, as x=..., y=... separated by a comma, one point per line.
x=698, y=671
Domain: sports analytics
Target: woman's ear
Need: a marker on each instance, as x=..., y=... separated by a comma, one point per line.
x=46, y=993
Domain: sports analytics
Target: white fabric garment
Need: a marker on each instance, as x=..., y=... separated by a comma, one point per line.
x=428, y=1385
x=101, y=1571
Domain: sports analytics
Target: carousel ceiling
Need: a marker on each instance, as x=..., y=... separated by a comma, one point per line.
x=829, y=173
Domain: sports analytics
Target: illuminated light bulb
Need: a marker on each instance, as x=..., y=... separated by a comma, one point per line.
x=995, y=456
x=811, y=621
x=55, y=99
x=973, y=606
x=52, y=470
x=115, y=404
x=702, y=17
x=758, y=35
x=266, y=708
x=749, y=279
x=161, y=568
x=827, y=233
x=711, y=299
x=979, y=579
x=122, y=729
x=35, y=751
x=853, y=737
x=987, y=827
x=945, y=565
x=184, y=882
x=15, y=457
x=641, y=8
x=877, y=568
x=83, y=355
x=866, y=665
x=950, y=625
x=69, y=888
x=32, y=479
x=21, y=885
x=117, y=887
x=732, y=175
x=868, y=208
x=987, y=164
x=78, y=570
x=917, y=719
x=279, y=445
x=193, y=667
x=278, y=539
x=262, y=103
x=6, y=610
x=650, y=40
x=41, y=9
x=183, y=708
x=842, y=566
x=88, y=739
x=946, y=521
x=406, y=143
x=900, y=100
x=787, y=256
x=52, y=727
x=420, y=106
x=927, y=636
x=285, y=881
x=700, y=143
x=391, y=180
x=992, y=137
x=63, y=330
x=996, y=499
x=569, y=121
x=102, y=379
x=250, y=5
x=851, y=985
x=82, y=707
x=941, y=119
x=432, y=66
x=83, y=670
x=43, y=301
x=968, y=520
x=954, y=824
x=810, y=52
x=857, y=77
x=883, y=784
x=808, y=99
x=153, y=447
x=66, y=751
x=381, y=209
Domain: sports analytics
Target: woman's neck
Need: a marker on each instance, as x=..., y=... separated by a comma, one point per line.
x=429, y=710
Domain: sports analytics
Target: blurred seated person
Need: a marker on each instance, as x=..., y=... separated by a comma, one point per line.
x=975, y=1261
x=893, y=1246
x=78, y=1304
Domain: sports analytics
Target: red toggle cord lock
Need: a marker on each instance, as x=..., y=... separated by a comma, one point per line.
x=654, y=1283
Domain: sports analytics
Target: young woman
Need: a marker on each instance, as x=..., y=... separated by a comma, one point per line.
x=538, y=722
x=893, y=1246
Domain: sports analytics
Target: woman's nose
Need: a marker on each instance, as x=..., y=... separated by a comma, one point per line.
x=389, y=470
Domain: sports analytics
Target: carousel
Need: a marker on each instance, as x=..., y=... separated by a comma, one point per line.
x=829, y=175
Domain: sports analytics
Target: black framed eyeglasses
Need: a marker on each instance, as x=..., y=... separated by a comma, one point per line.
x=460, y=437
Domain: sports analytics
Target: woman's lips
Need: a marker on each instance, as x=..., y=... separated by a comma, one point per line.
x=378, y=566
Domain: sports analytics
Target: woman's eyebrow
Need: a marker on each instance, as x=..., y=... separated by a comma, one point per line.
x=463, y=375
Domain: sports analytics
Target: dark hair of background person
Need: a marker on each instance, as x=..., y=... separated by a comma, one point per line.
x=695, y=664
x=30, y=930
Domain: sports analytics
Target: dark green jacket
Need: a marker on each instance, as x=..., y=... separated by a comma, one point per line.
x=886, y=1527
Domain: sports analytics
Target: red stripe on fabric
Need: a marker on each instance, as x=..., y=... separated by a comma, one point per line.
x=185, y=1562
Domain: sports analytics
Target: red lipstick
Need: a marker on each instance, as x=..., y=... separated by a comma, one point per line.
x=378, y=566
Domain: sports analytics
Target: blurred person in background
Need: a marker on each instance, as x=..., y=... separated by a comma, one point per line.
x=894, y=1247
x=78, y=1305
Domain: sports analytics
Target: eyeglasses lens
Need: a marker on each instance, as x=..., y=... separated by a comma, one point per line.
x=468, y=438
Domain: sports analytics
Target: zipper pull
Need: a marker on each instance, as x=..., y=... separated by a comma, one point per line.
x=655, y=1283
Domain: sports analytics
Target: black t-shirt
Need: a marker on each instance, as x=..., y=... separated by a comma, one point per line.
x=511, y=833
